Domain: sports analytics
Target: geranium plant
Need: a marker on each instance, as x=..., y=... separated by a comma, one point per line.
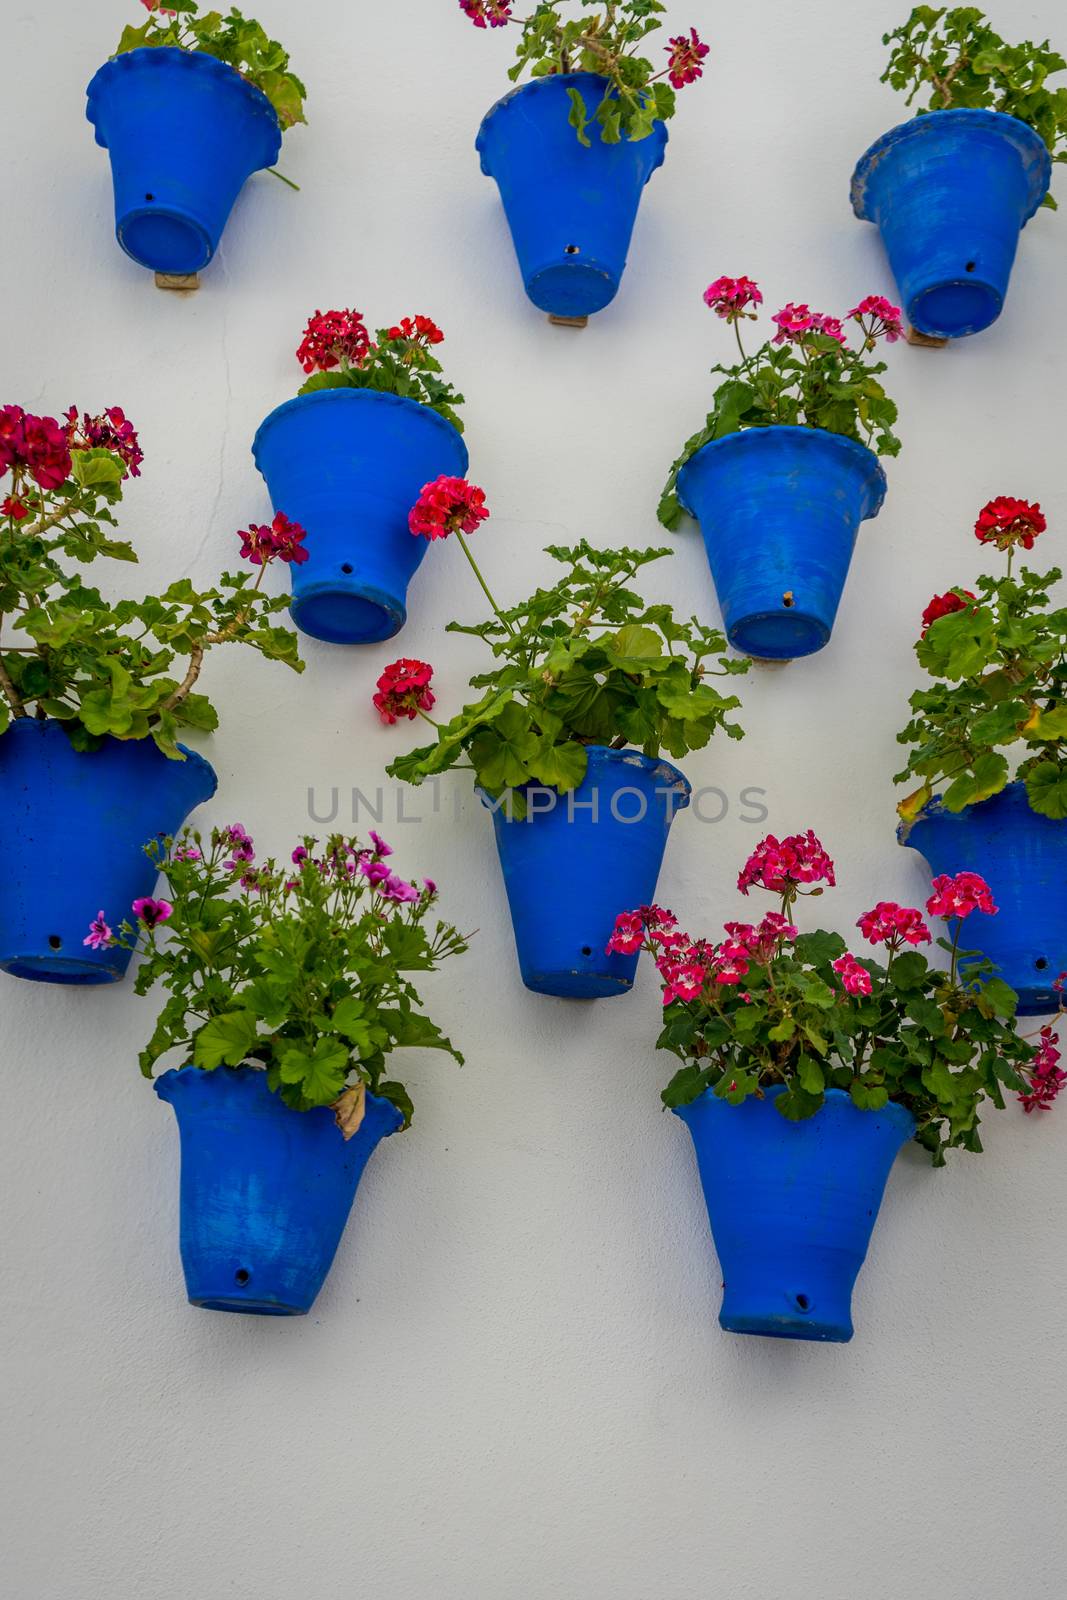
x=302, y=968
x=769, y=1006
x=999, y=658
x=585, y=661
x=233, y=38
x=954, y=57
x=338, y=353
x=807, y=374
x=560, y=36
x=126, y=668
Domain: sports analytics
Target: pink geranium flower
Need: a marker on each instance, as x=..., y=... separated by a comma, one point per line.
x=959, y=896
x=100, y=935
x=895, y=925
x=729, y=297
x=855, y=979
x=152, y=912
x=782, y=865
x=448, y=505
x=686, y=59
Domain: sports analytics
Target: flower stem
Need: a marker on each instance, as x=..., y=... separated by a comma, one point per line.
x=465, y=547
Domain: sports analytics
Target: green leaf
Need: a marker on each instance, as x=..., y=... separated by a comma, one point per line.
x=319, y=1073
x=225, y=1039
x=1046, y=787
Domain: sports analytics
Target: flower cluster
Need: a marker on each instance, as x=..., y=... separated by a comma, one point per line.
x=782, y=865
x=32, y=445
x=448, y=505
x=1047, y=1078
x=404, y=690
x=487, y=13
x=879, y=319
x=417, y=329
x=686, y=59
x=855, y=979
x=332, y=338
x=729, y=298
x=1007, y=522
x=111, y=430
x=796, y=323
x=688, y=965
x=149, y=912
x=893, y=925
x=282, y=541
x=957, y=897
x=943, y=605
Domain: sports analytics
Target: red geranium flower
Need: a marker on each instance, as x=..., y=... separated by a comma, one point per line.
x=260, y=545
x=416, y=328
x=943, y=605
x=332, y=337
x=404, y=690
x=782, y=865
x=1006, y=521
x=686, y=62
x=448, y=505
x=38, y=445
x=959, y=896
x=487, y=13
x=111, y=430
x=728, y=297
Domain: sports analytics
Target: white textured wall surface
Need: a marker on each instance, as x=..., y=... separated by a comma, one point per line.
x=513, y=1386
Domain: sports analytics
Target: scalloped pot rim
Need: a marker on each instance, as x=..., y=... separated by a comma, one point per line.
x=935, y=810
x=1028, y=143
x=795, y=431
x=349, y=396
x=538, y=86
x=192, y=60
x=654, y=766
x=892, y=1110
x=232, y=1079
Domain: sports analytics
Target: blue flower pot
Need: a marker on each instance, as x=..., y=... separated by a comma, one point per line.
x=792, y=1207
x=779, y=509
x=1023, y=857
x=265, y=1191
x=571, y=208
x=575, y=861
x=74, y=827
x=348, y=465
x=951, y=191
x=183, y=131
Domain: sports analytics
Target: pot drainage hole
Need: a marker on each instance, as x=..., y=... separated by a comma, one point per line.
x=241, y=1276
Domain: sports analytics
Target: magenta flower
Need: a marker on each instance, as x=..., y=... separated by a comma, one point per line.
x=878, y=318
x=380, y=846
x=895, y=925
x=728, y=297
x=487, y=13
x=781, y=865
x=1047, y=1078
x=792, y=322
x=152, y=912
x=100, y=935
x=855, y=980
x=686, y=62
x=447, y=505
x=959, y=896
x=830, y=326
x=299, y=855
x=394, y=888
x=186, y=852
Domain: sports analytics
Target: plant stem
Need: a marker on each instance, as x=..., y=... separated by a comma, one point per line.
x=465, y=547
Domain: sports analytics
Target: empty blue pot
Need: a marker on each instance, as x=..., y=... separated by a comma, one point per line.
x=74, y=827
x=792, y=1207
x=183, y=131
x=779, y=509
x=265, y=1191
x=576, y=860
x=1023, y=858
x=951, y=191
x=571, y=208
x=348, y=465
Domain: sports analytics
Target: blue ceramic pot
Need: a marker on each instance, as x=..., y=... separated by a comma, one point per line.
x=265, y=1191
x=183, y=131
x=571, y=208
x=792, y=1207
x=779, y=509
x=348, y=465
x=575, y=861
x=74, y=827
x=1023, y=857
x=950, y=192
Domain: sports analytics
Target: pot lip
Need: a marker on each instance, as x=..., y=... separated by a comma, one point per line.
x=194, y=761
x=935, y=810
x=225, y=1078
x=892, y=1109
x=193, y=60
x=347, y=396
x=1032, y=148
x=532, y=86
x=745, y=438
x=631, y=758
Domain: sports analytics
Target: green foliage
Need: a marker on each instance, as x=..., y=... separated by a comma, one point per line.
x=395, y=364
x=303, y=970
x=956, y=55
x=586, y=661
x=235, y=39
x=636, y=98
x=936, y=1043
x=814, y=383
x=1001, y=671
x=122, y=668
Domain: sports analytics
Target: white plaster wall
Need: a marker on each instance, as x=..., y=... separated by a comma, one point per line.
x=513, y=1386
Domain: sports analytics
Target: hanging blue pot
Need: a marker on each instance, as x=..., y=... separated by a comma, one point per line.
x=571, y=208
x=792, y=1207
x=74, y=826
x=348, y=465
x=265, y=1191
x=576, y=860
x=779, y=509
x=184, y=131
x=1023, y=857
x=951, y=191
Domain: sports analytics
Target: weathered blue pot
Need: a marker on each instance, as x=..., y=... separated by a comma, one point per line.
x=183, y=131
x=74, y=826
x=792, y=1207
x=571, y=208
x=779, y=509
x=951, y=191
x=1023, y=858
x=575, y=861
x=348, y=465
x=265, y=1191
